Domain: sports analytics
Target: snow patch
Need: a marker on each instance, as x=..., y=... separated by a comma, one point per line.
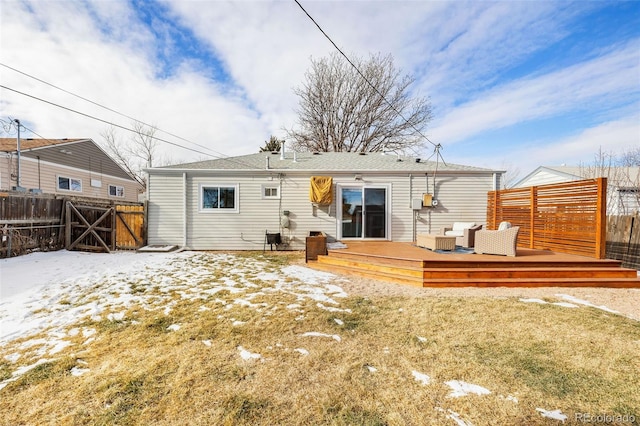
x=460, y=388
x=421, y=377
x=317, y=334
x=553, y=414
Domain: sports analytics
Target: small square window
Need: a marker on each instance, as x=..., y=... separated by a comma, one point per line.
x=270, y=191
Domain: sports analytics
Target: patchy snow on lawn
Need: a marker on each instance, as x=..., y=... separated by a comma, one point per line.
x=43, y=296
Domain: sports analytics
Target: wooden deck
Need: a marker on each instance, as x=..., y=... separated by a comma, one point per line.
x=408, y=264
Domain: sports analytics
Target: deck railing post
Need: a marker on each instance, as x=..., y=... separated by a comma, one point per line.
x=533, y=208
x=601, y=217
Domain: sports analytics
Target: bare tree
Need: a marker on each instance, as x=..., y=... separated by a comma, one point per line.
x=342, y=108
x=511, y=175
x=623, y=179
x=630, y=158
x=136, y=154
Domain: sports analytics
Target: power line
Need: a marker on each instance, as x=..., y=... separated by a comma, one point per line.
x=99, y=119
x=126, y=128
x=363, y=76
x=104, y=107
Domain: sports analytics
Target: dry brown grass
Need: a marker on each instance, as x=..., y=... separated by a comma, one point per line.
x=576, y=360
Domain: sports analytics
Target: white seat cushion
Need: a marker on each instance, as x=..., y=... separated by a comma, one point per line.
x=459, y=226
x=504, y=225
x=454, y=233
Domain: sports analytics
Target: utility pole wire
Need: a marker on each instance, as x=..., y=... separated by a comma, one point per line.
x=231, y=159
x=100, y=119
x=102, y=106
x=363, y=76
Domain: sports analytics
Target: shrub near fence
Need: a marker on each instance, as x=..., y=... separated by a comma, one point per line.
x=623, y=240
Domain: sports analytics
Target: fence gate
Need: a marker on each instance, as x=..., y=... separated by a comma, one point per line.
x=90, y=228
x=130, y=227
x=103, y=229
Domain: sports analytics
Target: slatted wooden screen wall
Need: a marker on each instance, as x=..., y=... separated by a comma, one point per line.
x=564, y=217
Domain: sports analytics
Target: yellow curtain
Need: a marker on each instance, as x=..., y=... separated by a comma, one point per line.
x=320, y=189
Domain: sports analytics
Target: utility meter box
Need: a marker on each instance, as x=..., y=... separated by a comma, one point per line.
x=416, y=204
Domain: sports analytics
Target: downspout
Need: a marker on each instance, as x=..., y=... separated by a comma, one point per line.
x=184, y=211
x=413, y=212
x=39, y=184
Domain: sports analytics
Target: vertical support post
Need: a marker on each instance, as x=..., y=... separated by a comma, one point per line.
x=113, y=227
x=494, y=219
x=67, y=227
x=601, y=219
x=533, y=206
x=18, y=174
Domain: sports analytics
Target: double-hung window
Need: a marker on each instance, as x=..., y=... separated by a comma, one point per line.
x=69, y=184
x=219, y=198
x=116, y=191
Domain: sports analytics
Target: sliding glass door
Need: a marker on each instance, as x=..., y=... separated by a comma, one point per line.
x=364, y=212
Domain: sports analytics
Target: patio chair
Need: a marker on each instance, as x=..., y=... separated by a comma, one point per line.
x=463, y=231
x=501, y=241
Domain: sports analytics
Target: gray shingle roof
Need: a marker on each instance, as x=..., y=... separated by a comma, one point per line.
x=324, y=161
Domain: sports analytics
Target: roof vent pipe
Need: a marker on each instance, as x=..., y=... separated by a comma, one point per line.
x=282, y=150
x=267, y=165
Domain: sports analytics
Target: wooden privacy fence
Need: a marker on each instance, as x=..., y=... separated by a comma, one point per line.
x=623, y=240
x=564, y=217
x=31, y=222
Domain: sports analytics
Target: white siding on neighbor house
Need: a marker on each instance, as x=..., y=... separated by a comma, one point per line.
x=461, y=197
x=44, y=176
x=546, y=177
x=165, y=218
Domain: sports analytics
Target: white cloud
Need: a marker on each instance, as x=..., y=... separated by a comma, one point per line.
x=615, y=136
x=239, y=91
x=602, y=81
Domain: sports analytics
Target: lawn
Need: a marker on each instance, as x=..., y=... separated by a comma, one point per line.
x=257, y=339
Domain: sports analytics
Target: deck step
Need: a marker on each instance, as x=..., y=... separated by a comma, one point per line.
x=470, y=261
x=522, y=272
x=406, y=264
x=398, y=278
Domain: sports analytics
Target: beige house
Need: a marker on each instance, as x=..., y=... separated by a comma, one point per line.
x=76, y=167
x=233, y=203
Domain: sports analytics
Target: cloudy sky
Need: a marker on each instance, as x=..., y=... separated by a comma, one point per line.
x=513, y=84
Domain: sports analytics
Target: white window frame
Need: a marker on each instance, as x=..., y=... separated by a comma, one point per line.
x=116, y=191
x=219, y=210
x=265, y=187
x=71, y=186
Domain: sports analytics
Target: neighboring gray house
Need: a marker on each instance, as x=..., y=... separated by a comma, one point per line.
x=623, y=183
x=232, y=203
x=76, y=167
